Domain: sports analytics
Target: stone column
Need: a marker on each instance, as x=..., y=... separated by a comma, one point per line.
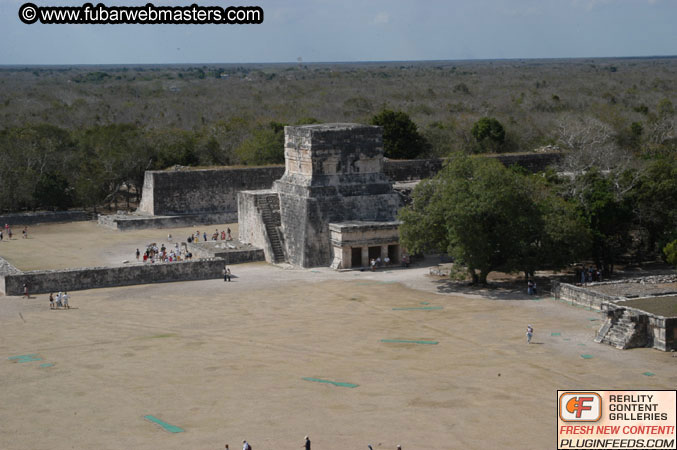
x=384, y=252
x=346, y=257
x=365, y=256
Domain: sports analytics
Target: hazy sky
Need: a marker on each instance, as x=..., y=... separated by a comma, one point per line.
x=347, y=30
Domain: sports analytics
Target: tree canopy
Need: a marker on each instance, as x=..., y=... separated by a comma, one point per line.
x=489, y=134
x=492, y=218
x=401, y=138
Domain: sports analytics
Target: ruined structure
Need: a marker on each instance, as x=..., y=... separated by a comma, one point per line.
x=640, y=312
x=184, y=196
x=332, y=202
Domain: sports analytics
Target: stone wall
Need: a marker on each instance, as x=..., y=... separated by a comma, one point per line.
x=580, y=295
x=33, y=218
x=533, y=162
x=176, y=192
x=215, y=249
x=419, y=169
x=128, y=222
x=45, y=281
x=639, y=328
x=250, y=225
x=651, y=330
x=199, y=191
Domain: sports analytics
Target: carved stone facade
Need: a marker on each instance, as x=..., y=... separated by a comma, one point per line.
x=333, y=175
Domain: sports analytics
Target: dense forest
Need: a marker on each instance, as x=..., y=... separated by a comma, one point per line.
x=83, y=136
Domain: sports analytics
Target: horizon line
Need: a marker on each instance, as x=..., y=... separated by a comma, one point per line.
x=301, y=63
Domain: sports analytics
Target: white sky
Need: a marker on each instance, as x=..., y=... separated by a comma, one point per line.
x=350, y=30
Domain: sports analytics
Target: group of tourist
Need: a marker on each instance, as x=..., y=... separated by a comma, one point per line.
x=153, y=254
x=306, y=445
x=7, y=232
x=378, y=262
x=588, y=275
x=61, y=301
x=223, y=234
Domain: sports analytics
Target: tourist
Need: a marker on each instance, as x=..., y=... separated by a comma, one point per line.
x=223, y=235
x=65, y=300
x=58, y=300
x=306, y=444
x=583, y=272
x=24, y=232
x=386, y=261
x=530, y=287
x=169, y=237
x=0, y=235
x=372, y=264
x=228, y=274
x=204, y=235
x=51, y=301
x=225, y=274
x=138, y=253
x=378, y=261
x=246, y=446
x=26, y=290
x=530, y=333
x=230, y=238
x=9, y=233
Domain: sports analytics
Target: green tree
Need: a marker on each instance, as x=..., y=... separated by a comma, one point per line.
x=265, y=146
x=491, y=218
x=52, y=190
x=608, y=215
x=401, y=139
x=670, y=252
x=653, y=200
x=489, y=134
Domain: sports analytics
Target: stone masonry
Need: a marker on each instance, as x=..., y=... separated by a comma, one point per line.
x=333, y=173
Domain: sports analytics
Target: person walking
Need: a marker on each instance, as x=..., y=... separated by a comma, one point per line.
x=138, y=253
x=306, y=444
x=530, y=333
x=228, y=274
x=246, y=446
x=225, y=274
x=51, y=301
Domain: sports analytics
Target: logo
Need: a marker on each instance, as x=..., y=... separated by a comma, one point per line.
x=580, y=407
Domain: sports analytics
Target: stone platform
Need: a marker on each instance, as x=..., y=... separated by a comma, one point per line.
x=135, y=221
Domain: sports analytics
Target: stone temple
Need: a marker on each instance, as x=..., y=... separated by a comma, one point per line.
x=334, y=206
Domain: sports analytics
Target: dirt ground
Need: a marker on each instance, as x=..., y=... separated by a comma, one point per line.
x=227, y=362
x=86, y=244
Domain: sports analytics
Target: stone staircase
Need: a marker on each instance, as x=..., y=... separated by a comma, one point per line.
x=622, y=331
x=269, y=206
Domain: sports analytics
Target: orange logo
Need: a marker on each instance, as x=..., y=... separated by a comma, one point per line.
x=580, y=407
